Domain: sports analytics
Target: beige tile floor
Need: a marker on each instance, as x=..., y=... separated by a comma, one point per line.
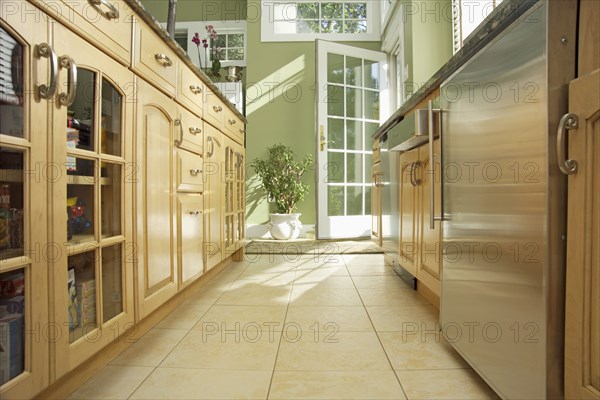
x=296, y=327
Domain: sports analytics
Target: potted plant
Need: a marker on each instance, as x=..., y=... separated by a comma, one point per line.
x=281, y=176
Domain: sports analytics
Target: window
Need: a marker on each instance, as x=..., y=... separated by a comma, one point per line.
x=231, y=47
x=310, y=20
x=467, y=15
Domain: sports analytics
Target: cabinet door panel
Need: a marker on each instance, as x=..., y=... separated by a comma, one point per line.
x=213, y=196
x=376, y=204
x=408, y=211
x=190, y=234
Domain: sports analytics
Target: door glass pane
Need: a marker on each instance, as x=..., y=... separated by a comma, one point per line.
x=335, y=100
x=354, y=168
x=354, y=200
x=11, y=203
x=335, y=133
x=81, y=294
x=371, y=105
x=335, y=70
x=370, y=129
x=12, y=324
x=110, y=199
x=111, y=137
x=354, y=135
x=80, y=200
x=112, y=288
x=80, y=115
x=335, y=200
x=354, y=103
x=367, y=200
x=354, y=71
x=368, y=166
x=11, y=86
x=335, y=167
x=371, y=74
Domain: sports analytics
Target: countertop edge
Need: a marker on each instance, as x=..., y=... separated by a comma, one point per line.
x=501, y=18
x=141, y=11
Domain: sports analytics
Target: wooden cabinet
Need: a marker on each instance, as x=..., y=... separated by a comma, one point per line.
x=408, y=209
x=190, y=237
x=376, y=213
x=234, y=196
x=157, y=125
x=213, y=196
x=582, y=322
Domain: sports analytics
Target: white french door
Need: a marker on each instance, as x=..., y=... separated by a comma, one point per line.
x=352, y=103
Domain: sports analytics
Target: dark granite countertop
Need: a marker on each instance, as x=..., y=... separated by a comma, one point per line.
x=141, y=11
x=503, y=16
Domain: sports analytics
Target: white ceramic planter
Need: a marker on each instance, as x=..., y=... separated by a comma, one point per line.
x=285, y=226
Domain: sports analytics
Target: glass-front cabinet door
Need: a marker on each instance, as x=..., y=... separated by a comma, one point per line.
x=26, y=66
x=91, y=194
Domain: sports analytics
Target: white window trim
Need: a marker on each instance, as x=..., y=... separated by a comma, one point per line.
x=222, y=27
x=268, y=34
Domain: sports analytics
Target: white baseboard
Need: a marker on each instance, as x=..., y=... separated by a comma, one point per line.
x=261, y=231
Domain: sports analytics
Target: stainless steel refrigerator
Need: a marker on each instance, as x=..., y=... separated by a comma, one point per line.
x=504, y=204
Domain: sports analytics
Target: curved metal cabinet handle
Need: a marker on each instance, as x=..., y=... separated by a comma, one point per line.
x=195, y=89
x=567, y=122
x=242, y=131
x=66, y=99
x=217, y=108
x=418, y=180
x=112, y=13
x=195, y=212
x=195, y=172
x=212, y=147
x=411, y=174
x=179, y=141
x=231, y=121
x=432, y=216
x=163, y=59
x=48, y=91
x=195, y=131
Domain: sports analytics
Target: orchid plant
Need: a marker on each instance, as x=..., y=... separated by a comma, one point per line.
x=214, y=50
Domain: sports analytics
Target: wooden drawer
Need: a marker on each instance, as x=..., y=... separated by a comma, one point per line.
x=234, y=127
x=376, y=151
x=106, y=25
x=191, y=132
x=189, y=172
x=191, y=90
x=154, y=60
x=215, y=110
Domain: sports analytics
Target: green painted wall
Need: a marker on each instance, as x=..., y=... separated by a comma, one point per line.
x=199, y=10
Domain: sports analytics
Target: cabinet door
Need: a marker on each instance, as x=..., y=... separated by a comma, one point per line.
x=24, y=244
x=91, y=149
x=213, y=196
x=229, y=196
x=430, y=253
x=582, y=336
x=241, y=198
x=409, y=163
x=376, y=203
x=190, y=237
x=156, y=127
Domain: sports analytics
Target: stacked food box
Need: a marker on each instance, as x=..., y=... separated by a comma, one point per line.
x=12, y=325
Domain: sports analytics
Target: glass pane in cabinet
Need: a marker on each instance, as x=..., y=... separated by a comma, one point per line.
x=11, y=86
x=110, y=125
x=80, y=115
x=80, y=200
x=110, y=199
x=81, y=294
x=112, y=289
x=12, y=324
x=11, y=203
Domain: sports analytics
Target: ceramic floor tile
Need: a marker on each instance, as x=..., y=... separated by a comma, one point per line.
x=364, y=259
x=397, y=318
x=320, y=261
x=329, y=319
x=422, y=349
x=266, y=267
x=370, y=270
x=303, y=295
x=276, y=279
x=183, y=317
x=244, y=317
x=388, y=295
x=380, y=281
x=250, y=293
x=331, y=385
x=151, y=348
x=327, y=351
x=233, y=349
x=112, y=382
x=205, y=296
x=444, y=384
x=198, y=384
x=314, y=277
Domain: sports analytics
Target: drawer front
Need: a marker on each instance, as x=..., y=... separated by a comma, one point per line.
x=107, y=25
x=191, y=132
x=191, y=90
x=234, y=126
x=154, y=60
x=215, y=110
x=189, y=172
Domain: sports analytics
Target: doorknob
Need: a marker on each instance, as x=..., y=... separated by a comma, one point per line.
x=322, y=139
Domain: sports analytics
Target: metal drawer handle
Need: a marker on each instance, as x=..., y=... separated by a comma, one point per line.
x=179, y=142
x=48, y=91
x=195, y=172
x=217, y=108
x=567, y=122
x=231, y=121
x=195, y=212
x=212, y=147
x=163, y=59
x=66, y=99
x=195, y=89
x=112, y=13
x=242, y=131
x=195, y=131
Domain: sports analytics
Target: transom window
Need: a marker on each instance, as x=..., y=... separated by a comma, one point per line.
x=310, y=20
x=467, y=15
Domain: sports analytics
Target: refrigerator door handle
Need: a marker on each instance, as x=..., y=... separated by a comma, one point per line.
x=567, y=122
x=432, y=216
